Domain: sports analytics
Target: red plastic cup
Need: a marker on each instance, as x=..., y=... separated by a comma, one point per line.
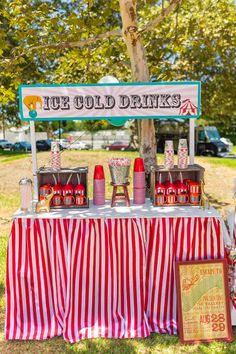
x=139, y=195
x=98, y=185
x=98, y=172
x=139, y=165
x=139, y=180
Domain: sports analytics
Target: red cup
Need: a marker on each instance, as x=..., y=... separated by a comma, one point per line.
x=139, y=165
x=139, y=195
x=98, y=172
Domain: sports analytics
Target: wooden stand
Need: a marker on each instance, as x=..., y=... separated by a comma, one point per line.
x=194, y=172
x=120, y=196
x=45, y=176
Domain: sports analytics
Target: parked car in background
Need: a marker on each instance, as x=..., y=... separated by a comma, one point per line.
x=21, y=146
x=45, y=145
x=5, y=144
x=118, y=145
x=64, y=143
x=79, y=145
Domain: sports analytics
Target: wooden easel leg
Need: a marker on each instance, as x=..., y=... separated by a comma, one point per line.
x=113, y=198
x=127, y=201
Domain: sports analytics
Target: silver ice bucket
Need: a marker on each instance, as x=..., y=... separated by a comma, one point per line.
x=119, y=174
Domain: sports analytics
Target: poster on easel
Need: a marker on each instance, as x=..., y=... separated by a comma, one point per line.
x=203, y=301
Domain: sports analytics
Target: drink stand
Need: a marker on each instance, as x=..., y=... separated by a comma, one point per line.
x=102, y=271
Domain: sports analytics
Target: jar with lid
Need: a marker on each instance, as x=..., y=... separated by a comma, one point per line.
x=25, y=193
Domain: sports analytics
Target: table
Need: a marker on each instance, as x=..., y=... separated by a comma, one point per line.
x=99, y=272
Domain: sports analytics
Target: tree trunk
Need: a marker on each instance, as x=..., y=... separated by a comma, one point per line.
x=140, y=73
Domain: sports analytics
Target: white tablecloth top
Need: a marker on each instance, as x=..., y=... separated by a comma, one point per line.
x=134, y=211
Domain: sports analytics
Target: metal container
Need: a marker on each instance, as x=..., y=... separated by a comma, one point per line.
x=119, y=174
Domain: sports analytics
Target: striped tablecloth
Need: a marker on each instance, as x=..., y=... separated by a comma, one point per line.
x=87, y=278
x=231, y=221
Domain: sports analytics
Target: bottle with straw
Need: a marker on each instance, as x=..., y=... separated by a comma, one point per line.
x=57, y=200
x=68, y=191
x=79, y=192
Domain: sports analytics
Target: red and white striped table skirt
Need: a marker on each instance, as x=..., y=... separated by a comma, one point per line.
x=90, y=278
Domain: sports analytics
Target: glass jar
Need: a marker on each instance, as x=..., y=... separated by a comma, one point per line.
x=25, y=193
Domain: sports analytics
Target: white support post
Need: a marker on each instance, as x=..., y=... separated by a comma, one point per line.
x=191, y=140
x=34, y=158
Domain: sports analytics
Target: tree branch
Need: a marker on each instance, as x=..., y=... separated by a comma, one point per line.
x=80, y=44
x=165, y=12
x=114, y=33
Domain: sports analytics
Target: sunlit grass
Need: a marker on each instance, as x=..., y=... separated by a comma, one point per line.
x=8, y=156
x=226, y=162
x=9, y=202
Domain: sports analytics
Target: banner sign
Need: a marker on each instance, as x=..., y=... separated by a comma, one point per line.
x=116, y=101
x=203, y=301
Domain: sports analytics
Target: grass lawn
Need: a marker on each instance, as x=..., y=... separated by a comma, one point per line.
x=219, y=177
x=7, y=156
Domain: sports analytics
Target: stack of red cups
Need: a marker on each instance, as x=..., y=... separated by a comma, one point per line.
x=139, y=181
x=98, y=185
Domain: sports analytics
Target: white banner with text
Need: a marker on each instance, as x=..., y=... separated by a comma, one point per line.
x=106, y=101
